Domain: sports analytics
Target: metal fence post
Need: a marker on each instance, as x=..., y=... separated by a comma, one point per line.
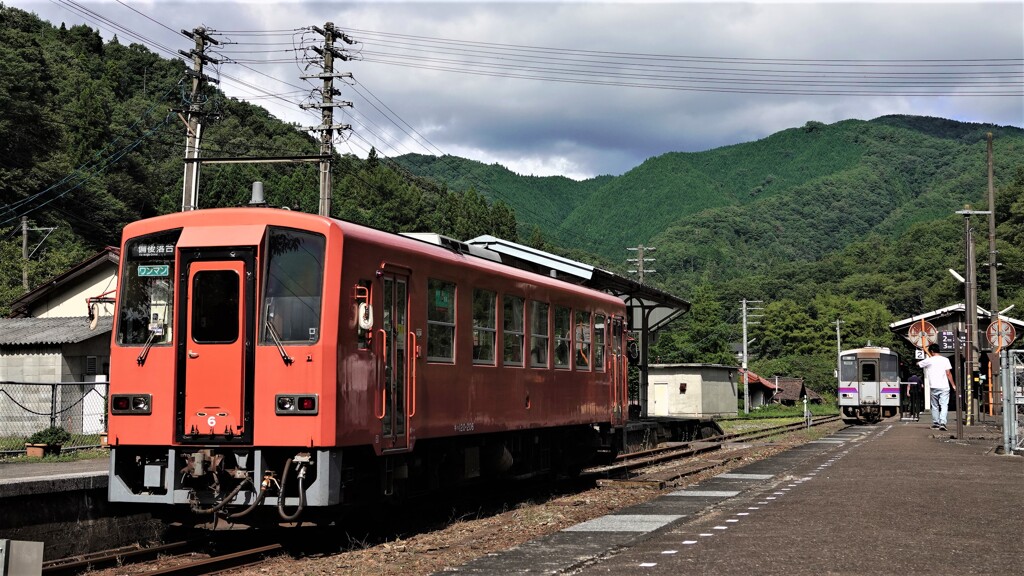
x=53, y=405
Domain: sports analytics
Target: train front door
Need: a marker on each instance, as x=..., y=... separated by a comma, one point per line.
x=395, y=329
x=214, y=382
x=869, y=382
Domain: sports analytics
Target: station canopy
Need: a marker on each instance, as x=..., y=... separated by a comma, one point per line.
x=660, y=307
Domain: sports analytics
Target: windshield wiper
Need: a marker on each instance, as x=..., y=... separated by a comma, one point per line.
x=145, y=349
x=277, y=340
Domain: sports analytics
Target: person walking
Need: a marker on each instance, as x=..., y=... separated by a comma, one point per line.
x=938, y=374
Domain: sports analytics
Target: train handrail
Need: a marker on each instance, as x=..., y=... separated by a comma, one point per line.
x=410, y=374
x=380, y=381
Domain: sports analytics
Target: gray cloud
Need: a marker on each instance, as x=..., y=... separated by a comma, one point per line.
x=581, y=130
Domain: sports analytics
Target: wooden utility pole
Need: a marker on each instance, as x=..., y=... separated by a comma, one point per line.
x=190, y=189
x=641, y=250
x=327, y=106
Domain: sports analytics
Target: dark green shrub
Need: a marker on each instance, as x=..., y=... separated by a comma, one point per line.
x=52, y=435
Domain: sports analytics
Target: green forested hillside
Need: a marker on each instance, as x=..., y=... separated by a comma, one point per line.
x=851, y=221
x=91, y=139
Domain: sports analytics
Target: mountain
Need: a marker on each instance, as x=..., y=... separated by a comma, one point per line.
x=797, y=194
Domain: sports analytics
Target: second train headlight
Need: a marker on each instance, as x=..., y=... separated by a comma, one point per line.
x=131, y=404
x=296, y=404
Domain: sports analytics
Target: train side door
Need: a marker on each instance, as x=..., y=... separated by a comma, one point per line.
x=214, y=382
x=395, y=377
x=869, y=385
x=619, y=367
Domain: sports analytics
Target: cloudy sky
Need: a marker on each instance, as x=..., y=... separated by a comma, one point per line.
x=584, y=88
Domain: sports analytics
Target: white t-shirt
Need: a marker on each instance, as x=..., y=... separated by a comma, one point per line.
x=935, y=371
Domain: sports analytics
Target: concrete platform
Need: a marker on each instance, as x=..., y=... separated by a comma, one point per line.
x=893, y=498
x=22, y=478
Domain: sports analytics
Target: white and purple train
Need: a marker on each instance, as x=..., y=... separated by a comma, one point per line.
x=869, y=384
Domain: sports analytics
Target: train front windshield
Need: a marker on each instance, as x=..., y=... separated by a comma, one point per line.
x=147, y=289
x=294, y=284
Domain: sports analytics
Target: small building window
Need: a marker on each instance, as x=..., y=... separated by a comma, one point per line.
x=582, y=339
x=539, y=335
x=485, y=325
x=563, y=336
x=440, y=321
x=513, y=334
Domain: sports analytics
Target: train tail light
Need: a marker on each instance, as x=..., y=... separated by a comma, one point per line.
x=134, y=404
x=295, y=404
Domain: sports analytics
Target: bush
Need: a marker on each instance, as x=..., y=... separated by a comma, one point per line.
x=52, y=435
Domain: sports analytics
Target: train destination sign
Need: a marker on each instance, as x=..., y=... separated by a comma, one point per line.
x=922, y=333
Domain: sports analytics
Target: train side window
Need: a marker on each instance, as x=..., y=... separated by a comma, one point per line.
x=293, y=286
x=582, y=339
x=513, y=333
x=440, y=321
x=599, y=325
x=539, y=335
x=563, y=336
x=485, y=325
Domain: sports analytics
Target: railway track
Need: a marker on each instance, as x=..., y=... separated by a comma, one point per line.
x=632, y=468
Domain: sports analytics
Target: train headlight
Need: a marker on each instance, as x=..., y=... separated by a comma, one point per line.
x=132, y=404
x=296, y=404
x=140, y=403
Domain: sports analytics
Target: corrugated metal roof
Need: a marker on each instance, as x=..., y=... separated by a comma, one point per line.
x=35, y=331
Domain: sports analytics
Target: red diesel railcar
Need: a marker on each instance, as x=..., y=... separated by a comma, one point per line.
x=265, y=357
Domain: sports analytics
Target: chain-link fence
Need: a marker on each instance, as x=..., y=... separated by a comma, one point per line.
x=80, y=408
x=1013, y=400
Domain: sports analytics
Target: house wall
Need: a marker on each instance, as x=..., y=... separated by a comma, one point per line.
x=80, y=408
x=69, y=301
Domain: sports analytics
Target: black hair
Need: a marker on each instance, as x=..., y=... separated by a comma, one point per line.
x=933, y=348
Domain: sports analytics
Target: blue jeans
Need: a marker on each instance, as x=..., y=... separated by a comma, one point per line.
x=940, y=406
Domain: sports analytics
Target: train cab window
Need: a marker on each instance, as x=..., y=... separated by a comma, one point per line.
x=539, y=336
x=848, y=366
x=215, y=307
x=485, y=326
x=563, y=336
x=582, y=339
x=146, y=299
x=293, y=286
x=890, y=368
x=513, y=333
x=440, y=321
x=599, y=325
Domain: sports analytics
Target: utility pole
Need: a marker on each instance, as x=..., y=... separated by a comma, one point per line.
x=640, y=259
x=190, y=189
x=839, y=355
x=746, y=380
x=971, y=309
x=327, y=106
x=993, y=357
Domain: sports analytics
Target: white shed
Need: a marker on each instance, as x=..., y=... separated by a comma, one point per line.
x=692, y=390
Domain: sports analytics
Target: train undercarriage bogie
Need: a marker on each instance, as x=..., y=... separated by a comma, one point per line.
x=867, y=414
